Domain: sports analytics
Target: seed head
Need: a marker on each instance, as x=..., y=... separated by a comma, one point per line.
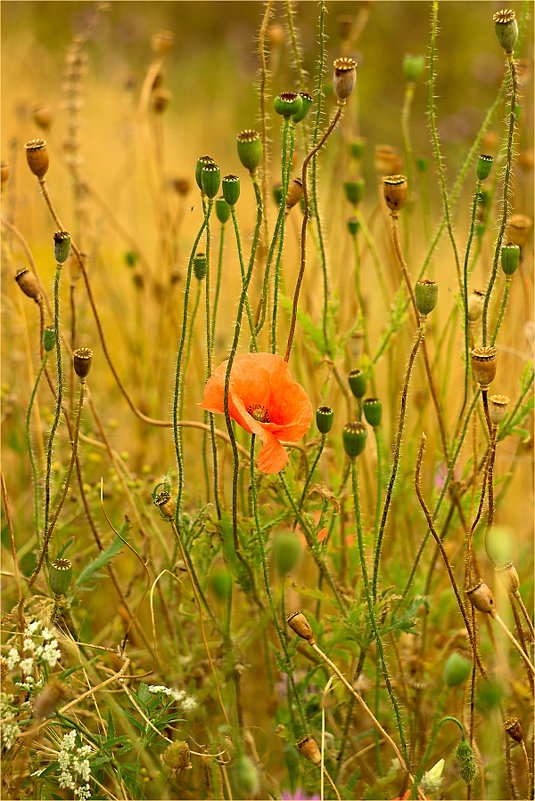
x=295, y=192
x=344, y=77
x=324, y=419
x=162, y=42
x=306, y=102
x=231, y=189
x=484, y=365
x=514, y=729
x=250, y=149
x=476, y=301
x=165, y=504
x=497, y=408
x=287, y=104
x=60, y=575
x=426, y=295
x=373, y=411
x=28, y=283
x=310, y=749
x=37, y=156
x=483, y=167
x=354, y=436
x=62, y=246
x=357, y=383
x=42, y=116
x=82, y=359
x=506, y=28
x=395, y=192
x=298, y=622
x=508, y=576
x=481, y=597
x=510, y=258
x=518, y=228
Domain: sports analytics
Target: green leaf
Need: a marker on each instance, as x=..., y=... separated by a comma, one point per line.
x=101, y=561
x=111, y=728
x=69, y=671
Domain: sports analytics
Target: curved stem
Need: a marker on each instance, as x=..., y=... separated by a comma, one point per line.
x=242, y=269
x=309, y=477
x=29, y=445
x=508, y=634
x=502, y=309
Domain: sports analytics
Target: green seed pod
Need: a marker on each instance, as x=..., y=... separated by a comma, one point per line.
x=231, y=189
x=222, y=210
x=49, y=338
x=324, y=419
x=200, y=265
x=467, y=761
x=210, y=179
x=456, y=670
x=356, y=147
x=426, y=294
x=221, y=583
x=288, y=104
x=357, y=383
x=422, y=164
x=483, y=167
x=287, y=551
x=353, y=225
x=413, y=67
x=246, y=777
x=344, y=77
x=60, y=575
x=510, y=258
x=305, y=107
x=250, y=149
x=373, y=411
x=354, y=436
x=489, y=696
x=62, y=246
x=354, y=190
x=277, y=194
x=202, y=161
x=506, y=28
x=82, y=359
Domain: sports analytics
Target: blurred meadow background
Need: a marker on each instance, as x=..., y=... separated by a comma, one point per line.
x=165, y=667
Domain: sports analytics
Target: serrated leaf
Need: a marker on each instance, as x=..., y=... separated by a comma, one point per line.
x=310, y=593
x=101, y=561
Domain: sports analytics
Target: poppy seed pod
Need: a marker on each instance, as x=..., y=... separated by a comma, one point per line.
x=476, y=301
x=287, y=551
x=165, y=504
x=37, y=156
x=200, y=265
x=483, y=167
x=230, y=186
x=354, y=436
x=82, y=359
x=373, y=411
x=426, y=294
x=287, y=104
x=28, y=283
x=513, y=728
x=481, y=597
x=356, y=147
x=344, y=77
x=456, y=670
x=357, y=383
x=295, y=192
x=250, y=149
x=506, y=28
x=210, y=179
x=354, y=190
x=484, y=365
x=324, y=419
x=345, y=25
x=518, y=227
x=508, y=576
x=467, y=761
x=59, y=576
x=497, y=408
x=306, y=102
x=298, y=623
x=62, y=246
x=310, y=749
x=202, y=161
x=177, y=757
x=222, y=210
x=4, y=173
x=49, y=338
x=413, y=67
x=353, y=225
x=395, y=192
x=510, y=258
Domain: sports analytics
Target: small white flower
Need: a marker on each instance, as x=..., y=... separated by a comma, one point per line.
x=51, y=653
x=66, y=780
x=189, y=703
x=83, y=793
x=9, y=734
x=26, y=665
x=32, y=628
x=69, y=741
x=28, y=644
x=13, y=658
x=177, y=695
x=46, y=634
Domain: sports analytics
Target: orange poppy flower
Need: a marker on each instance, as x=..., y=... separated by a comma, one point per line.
x=265, y=400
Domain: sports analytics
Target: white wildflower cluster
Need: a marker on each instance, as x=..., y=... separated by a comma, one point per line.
x=39, y=647
x=10, y=727
x=187, y=702
x=74, y=766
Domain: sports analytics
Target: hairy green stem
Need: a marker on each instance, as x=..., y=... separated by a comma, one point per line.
x=29, y=446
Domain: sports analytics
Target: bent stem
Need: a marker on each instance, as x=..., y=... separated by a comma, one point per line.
x=29, y=446
x=311, y=473
x=508, y=634
x=502, y=309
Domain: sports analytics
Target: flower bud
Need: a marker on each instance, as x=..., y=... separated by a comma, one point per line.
x=287, y=104
x=354, y=436
x=484, y=365
x=506, y=28
x=483, y=167
x=518, y=227
x=250, y=149
x=60, y=576
x=287, y=551
x=324, y=419
x=306, y=102
x=177, y=757
x=481, y=597
x=298, y=622
x=373, y=411
x=344, y=77
x=357, y=383
x=354, y=190
x=222, y=210
x=513, y=728
x=62, y=246
x=467, y=761
x=165, y=504
x=4, y=173
x=221, y=582
x=295, y=191
x=413, y=67
x=395, y=191
x=37, y=156
x=497, y=408
x=508, y=576
x=246, y=777
x=476, y=301
x=510, y=258
x=28, y=283
x=426, y=294
x=310, y=749
x=49, y=338
x=353, y=225
x=456, y=670
x=230, y=186
x=82, y=359
x=202, y=161
x=210, y=179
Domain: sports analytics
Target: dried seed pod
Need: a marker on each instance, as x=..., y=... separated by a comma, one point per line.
x=250, y=149
x=497, y=408
x=354, y=436
x=484, y=365
x=513, y=728
x=344, y=77
x=508, y=576
x=60, y=576
x=42, y=116
x=298, y=622
x=160, y=99
x=28, y=283
x=37, y=156
x=476, y=302
x=395, y=191
x=518, y=228
x=166, y=505
x=181, y=186
x=295, y=191
x=506, y=28
x=481, y=597
x=82, y=359
x=310, y=749
x=387, y=160
x=345, y=25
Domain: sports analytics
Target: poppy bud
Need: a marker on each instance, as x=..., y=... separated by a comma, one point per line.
x=210, y=179
x=165, y=504
x=4, y=173
x=298, y=622
x=177, y=757
x=456, y=670
x=518, y=227
x=513, y=728
x=353, y=225
x=483, y=167
x=250, y=149
x=357, y=383
x=37, y=156
x=467, y=761
x=287, y=104
x=354, y=190
x=28, y=283
x=60, y=575
x=230, y=186
x=310, y=749
x=395, y=191
x=200, y=265
x=506, y=28
x=481, y=597
x=484, y=365
x=287, y=551
x=497, y=408
x=49, y=338
x=413, y=67
x=373, y=411
x=344, y=77
x=510, y=258
x=476, y=301
x=202, y=161
x=222, y=210
x=295, y=191
x=354, y=436
x=426, y=294
x=356, y=147
x=324, y=419
x=82, y=358
x=306, y=102
x=508, y=576
x=62, y=246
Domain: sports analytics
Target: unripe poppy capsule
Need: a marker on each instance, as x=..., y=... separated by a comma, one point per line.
x=82, y=359
x=28, y=283
x=60, y=575
x=49, y=338
x=510, y=258
x=484, y=365
x=287, y=551
x=306, y=102
x=426, y=295
x=230, y=186
x=356, y=147
x=357, y=383
x=200, y=265
x=354, y=190
x=483, y=167
x=202, y=161
x=373, y=411
x=395, y=191
x=506, y=28
x=344, y=77
x=221, y=582
x=210, y=179
x=456, y=670
x=353, y=225
x=354, y=436
x=62, y=246
x=222, y=210
x=37, y=156
x=250, y=149
x=413, y=67
x=324, y=419
x=287, y=104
